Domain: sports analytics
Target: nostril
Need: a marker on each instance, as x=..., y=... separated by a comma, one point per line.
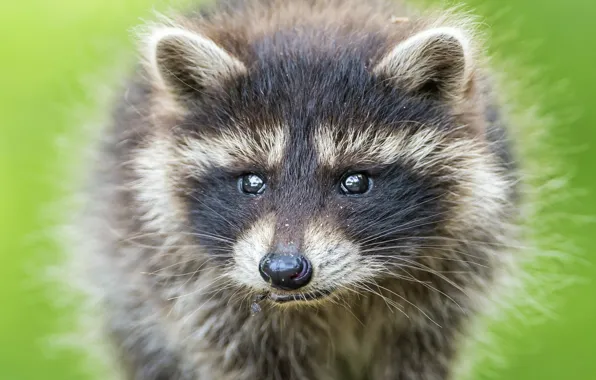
x=288, y=272
x=304, y=269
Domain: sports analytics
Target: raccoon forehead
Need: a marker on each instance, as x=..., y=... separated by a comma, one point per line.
x=233, y=148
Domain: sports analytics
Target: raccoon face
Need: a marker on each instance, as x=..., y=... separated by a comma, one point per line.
x=305, y=172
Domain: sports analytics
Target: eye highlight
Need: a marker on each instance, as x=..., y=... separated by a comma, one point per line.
x=355, y=184
x=251, y=184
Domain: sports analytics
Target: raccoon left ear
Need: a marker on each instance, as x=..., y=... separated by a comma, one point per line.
x=186, y=62
x=436, y=63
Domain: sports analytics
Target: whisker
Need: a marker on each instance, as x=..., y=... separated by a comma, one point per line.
x=181, y=233
x=438, y=258
x=388, y=301
x=214, y=280
x=215, y=212
x=215, y=292
x=413, y=279
x=409, y=302
x=424, y=268
x=405, y=224
x=402, y=212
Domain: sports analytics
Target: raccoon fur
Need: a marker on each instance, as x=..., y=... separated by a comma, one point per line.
x=300, y=190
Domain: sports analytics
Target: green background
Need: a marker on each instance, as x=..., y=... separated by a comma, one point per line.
x=55, y=56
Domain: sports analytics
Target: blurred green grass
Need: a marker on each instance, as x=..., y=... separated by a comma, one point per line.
x=49, y=49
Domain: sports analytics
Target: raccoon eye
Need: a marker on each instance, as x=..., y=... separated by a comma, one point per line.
x=251, y=184
x=354, y=183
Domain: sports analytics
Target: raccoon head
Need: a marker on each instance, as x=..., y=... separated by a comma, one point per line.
x=307, y=168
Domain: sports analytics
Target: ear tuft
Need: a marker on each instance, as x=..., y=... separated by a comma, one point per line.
x=436, y=63
x=185, y=62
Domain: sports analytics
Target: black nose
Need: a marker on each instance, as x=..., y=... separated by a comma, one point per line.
x=287, y=272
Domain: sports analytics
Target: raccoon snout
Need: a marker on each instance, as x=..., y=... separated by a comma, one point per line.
x=285, y=271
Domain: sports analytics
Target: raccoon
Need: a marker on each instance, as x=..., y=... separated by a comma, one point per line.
x=307, y=189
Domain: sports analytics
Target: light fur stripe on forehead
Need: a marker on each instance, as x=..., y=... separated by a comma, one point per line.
x=238, y=146
x=375, y=146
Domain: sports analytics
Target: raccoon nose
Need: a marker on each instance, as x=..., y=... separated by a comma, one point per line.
x=284, y=271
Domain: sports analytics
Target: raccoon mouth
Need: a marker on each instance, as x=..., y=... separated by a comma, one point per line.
x=298, y=297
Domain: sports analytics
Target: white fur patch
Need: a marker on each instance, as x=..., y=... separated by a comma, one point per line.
x=377, y=146
x=153, y=188
x=250, y=249
x=335, y=259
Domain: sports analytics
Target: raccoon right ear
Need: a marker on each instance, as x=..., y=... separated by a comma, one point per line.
x=185, y=62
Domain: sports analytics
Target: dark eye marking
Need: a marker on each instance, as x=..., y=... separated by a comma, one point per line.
x=252, y=184
x=355, y=184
